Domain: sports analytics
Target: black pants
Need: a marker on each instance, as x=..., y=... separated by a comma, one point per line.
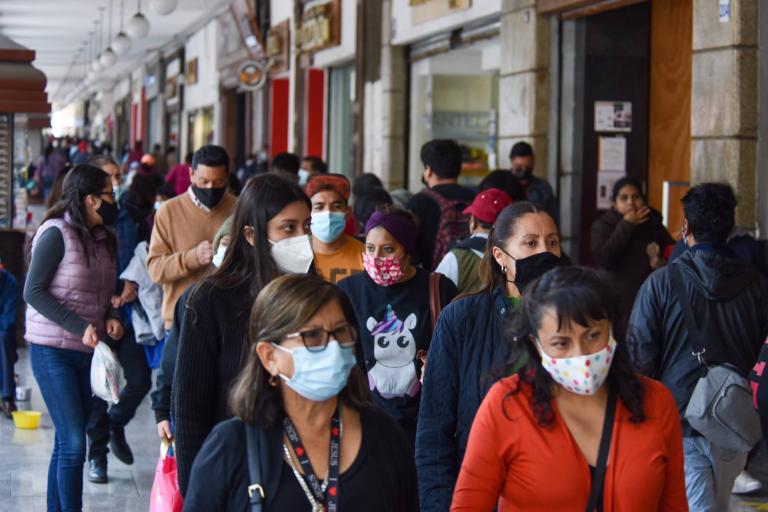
x=8, y=358
x=138, y=379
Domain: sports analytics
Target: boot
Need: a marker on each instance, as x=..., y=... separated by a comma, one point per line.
x=97, y=471
x=9, y=405
x=119, y=446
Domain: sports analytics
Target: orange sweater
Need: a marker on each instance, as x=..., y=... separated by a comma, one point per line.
x=512, y=461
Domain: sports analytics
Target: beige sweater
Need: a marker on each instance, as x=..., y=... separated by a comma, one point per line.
x=180, y=226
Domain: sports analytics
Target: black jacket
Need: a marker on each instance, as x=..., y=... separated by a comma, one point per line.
x=730, y=303
x=382, y=477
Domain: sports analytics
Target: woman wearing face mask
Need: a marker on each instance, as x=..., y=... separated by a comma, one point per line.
x=391, y=300
x=523, y=244
x=321, y=444
x=574, y=428
x=269, y=237
x=69, y=286
x=628, y=241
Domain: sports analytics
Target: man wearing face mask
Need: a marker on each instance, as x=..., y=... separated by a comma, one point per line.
x=537, y=190
x=337, y=255
x=180, y=250
x=311, y=165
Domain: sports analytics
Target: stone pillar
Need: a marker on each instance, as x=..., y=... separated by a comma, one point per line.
x=724, y=101
x=524, y=82
x=387, y=148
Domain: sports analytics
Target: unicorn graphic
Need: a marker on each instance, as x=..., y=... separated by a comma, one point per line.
x=394, y=350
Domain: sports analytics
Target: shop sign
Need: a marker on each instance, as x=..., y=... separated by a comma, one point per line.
x=278, y=47
x=252, y=75
x=191, y=78
x=447, y=124
x=320, y=27
x=427, y=10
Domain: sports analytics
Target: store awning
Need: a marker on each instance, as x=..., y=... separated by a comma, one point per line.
x=22, y=86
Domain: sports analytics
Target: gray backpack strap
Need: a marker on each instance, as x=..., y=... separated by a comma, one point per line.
x=694, y=334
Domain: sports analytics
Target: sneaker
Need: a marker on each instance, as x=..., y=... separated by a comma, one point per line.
x=97, y=471
x=746, y=484
x=119, y=446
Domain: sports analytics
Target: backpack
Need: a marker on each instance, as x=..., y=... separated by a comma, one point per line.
x=453, y=225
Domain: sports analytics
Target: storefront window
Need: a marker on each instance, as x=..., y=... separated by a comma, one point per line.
x=200, y=128
x=340, y=120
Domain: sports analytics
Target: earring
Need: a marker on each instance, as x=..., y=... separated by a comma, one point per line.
x=273, y=381
x=504, y=270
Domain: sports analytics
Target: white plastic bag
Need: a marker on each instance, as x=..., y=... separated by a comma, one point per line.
x=106, y=374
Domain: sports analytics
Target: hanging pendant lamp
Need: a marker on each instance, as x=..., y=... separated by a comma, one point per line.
x=109, y=57
x=121, y=43
x=163, y=7
x=138, y=25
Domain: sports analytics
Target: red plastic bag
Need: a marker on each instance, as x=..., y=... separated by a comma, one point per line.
x=165, y=490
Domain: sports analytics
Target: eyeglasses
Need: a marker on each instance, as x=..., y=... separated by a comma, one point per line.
x=315, y=340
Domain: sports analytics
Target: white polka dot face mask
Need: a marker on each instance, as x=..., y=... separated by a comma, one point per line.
x=582, y=374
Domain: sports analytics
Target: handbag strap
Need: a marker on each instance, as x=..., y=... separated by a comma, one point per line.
x=598, y=481
x=434, y=298
x=694, y=334
x=255, y=489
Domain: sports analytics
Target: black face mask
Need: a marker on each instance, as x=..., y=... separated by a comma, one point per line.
x=533, y=267
x=523, y=173
x=108, y=213
x=210, y=197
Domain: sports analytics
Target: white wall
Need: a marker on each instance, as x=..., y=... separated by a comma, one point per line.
x=346, y=50
x=405, y=32
x=203, y=45
x=279, y=11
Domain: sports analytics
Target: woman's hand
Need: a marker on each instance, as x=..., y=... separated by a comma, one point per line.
x=90, y=338
x=164, y=430
x=115, y=329
x=129, y=295
x=654, y=256
x=637, y=217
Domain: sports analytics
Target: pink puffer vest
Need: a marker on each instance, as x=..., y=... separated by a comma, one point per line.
x=84, y=289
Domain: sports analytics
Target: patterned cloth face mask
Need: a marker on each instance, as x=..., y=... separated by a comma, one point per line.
x=583, y=375
x=384, y=271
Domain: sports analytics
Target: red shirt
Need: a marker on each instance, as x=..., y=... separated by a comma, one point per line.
x=179, y=177
x=512, y=461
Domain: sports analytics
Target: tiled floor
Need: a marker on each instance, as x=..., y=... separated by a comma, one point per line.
x=24, y=456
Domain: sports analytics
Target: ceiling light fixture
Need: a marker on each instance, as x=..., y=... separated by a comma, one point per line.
x=121, y=43
x=109, y=57
x=138, y=25
x=163, y=7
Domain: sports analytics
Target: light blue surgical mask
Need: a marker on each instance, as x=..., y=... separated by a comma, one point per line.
x=320, y=376
x=328, y=226
x=218, y=258
x=303, y=177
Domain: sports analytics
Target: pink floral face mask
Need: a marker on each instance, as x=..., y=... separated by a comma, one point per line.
x=384, y=271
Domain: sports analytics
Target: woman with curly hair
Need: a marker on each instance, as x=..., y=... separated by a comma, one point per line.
x=574, y=427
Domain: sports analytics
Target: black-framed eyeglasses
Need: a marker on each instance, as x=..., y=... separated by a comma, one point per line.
x=315, y=340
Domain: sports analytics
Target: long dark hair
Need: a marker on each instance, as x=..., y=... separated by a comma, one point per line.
x=284, y=306
x=82, y=181
x=502, y=230
x=580, y=295
x=262, y=198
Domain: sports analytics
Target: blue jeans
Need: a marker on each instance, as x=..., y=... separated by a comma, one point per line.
x=8, y=357
x=64, y=380
x=709, y=474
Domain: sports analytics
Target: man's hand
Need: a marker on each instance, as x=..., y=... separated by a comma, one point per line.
x=164, y=430
x=130, y=293
x=637, y=217
x=115, y=329
x=90, y=338
x=204, y=253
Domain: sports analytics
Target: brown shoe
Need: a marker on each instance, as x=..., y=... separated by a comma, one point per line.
x=8, y=407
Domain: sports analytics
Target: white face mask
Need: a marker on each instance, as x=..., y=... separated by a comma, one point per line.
x=218, y=258
x=293, y=255
x=583, y=375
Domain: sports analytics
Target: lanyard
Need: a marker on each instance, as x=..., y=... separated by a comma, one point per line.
x=323, y=494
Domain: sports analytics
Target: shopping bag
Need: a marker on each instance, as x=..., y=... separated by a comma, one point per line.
x=165, y=490
x=106, y=374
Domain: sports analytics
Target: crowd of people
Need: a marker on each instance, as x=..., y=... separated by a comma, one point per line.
x=322, y=344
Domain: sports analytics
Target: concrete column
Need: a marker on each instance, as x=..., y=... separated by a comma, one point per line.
x=386, y=154
x=724, y=101
x=524, y=81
